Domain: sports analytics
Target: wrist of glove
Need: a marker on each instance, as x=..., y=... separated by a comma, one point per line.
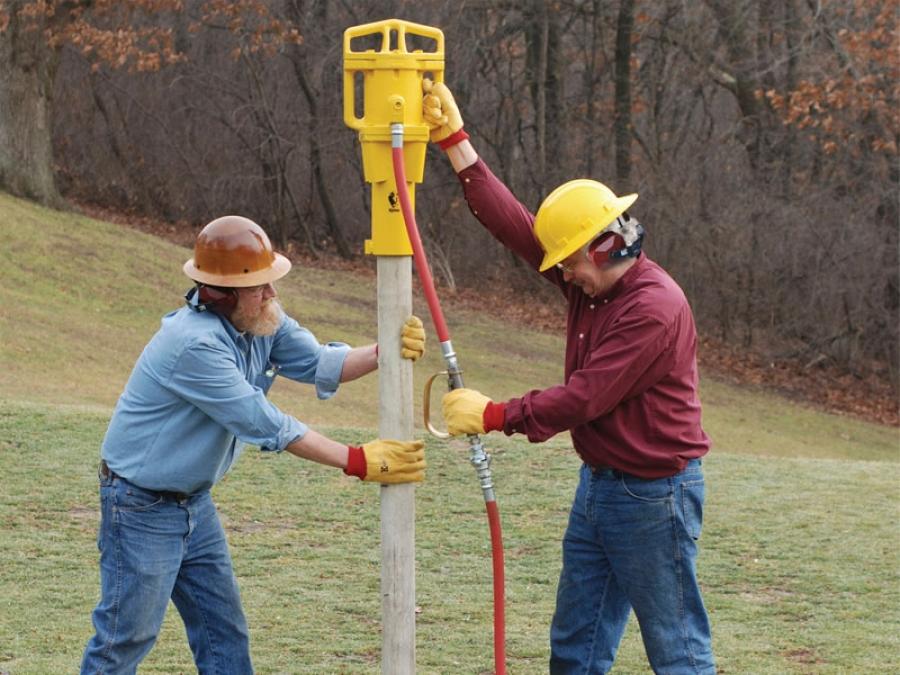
x=356, y=462
x=453, y=139
x=387, y=461
x=494, y=416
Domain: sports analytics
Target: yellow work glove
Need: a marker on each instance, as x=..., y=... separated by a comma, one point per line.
x=412, y=339
x=387, y=461
x=463, y=411
x=440, y=110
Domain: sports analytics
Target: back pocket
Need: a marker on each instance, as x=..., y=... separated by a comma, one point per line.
x=692, y=495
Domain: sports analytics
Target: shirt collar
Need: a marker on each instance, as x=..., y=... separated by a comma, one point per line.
x=625, y=280
x=243, y=339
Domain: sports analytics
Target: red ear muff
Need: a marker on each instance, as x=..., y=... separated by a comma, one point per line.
x=222, y=300
x=603, y=246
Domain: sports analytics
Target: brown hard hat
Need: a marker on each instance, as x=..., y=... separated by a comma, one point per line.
x=235, y=252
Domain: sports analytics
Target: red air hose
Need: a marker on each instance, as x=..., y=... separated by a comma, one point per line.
x=440, y=326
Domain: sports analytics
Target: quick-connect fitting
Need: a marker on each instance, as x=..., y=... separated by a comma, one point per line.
x=482, y=463
x=453, y=370
x=397, y=135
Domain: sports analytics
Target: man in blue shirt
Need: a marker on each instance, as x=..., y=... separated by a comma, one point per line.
x=196, y=395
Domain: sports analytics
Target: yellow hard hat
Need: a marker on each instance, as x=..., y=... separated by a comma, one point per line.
x=235, y=252
x=573, y=214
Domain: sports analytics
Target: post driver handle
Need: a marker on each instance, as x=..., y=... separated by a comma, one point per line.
x=384, y=58
x=426, y=407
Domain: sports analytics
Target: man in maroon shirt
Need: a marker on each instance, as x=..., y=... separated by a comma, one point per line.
x=630, y=402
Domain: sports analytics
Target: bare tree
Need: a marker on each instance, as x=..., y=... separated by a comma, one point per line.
x=27, y=68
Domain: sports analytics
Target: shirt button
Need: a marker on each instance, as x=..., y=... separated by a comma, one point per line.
x=592, y=306
x=605, y=301
x=581, y=336
x=468, y=180
x=474, y=212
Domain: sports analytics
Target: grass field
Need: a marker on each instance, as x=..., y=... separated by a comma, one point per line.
x=800, y=555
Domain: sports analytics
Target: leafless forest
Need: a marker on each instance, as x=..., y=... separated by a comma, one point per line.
x=761, y=135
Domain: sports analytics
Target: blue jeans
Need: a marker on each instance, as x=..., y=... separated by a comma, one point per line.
x=153, y=548
x=632, y=543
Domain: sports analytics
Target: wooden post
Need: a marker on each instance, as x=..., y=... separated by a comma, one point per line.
x=398, y=506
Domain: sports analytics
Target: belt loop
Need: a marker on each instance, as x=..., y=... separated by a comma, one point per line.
x=600, y=470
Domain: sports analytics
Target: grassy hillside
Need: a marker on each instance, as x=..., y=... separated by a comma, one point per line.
x=800, y=546
x=79, y=298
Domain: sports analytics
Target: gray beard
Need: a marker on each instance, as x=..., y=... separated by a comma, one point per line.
x=265, y=323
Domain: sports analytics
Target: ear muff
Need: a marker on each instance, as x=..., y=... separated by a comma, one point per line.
x=601, y=250
x=222, y=300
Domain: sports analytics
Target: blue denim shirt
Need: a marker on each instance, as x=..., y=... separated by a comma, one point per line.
x=197, y=394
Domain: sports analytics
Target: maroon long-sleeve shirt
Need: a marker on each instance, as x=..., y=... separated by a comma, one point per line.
x=630, y=394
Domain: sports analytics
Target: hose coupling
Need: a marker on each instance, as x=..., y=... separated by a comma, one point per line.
x=481, y=460
x=397, y=135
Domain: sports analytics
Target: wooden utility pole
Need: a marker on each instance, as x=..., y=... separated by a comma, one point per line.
x=398, y=506
x=392, y=112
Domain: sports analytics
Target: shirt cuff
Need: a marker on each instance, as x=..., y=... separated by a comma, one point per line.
x=293, y=430
x=329, y=368
x=474, y=171
x=513, y=419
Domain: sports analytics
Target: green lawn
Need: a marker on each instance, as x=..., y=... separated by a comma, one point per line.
x=800, y=548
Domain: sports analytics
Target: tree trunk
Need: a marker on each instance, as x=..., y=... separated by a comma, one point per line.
x=300, y=63
x=316, y=162
x=624, y=26
x=27, y=67
x=735, y=31
x=792, y=39
x=543, y=66
x=590, y=76
x=538, y=43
